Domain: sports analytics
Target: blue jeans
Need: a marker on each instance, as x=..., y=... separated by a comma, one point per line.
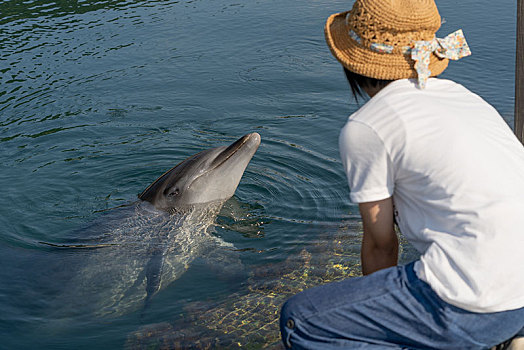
x=389, y=309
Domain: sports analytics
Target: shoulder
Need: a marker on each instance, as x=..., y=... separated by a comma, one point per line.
x=356, y=129
x=382, y=116
x=358, y=140
x=357, y=132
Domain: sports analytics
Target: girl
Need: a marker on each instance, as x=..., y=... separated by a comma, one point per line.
x=441, y=163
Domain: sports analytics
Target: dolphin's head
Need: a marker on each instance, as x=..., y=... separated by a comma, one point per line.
x=208, y=176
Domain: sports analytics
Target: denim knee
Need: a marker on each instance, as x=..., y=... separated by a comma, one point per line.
x=289, y=316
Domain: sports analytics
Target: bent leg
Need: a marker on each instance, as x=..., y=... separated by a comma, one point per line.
x=393, y=309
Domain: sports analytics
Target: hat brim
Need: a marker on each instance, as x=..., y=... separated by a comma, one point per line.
x=364, y=61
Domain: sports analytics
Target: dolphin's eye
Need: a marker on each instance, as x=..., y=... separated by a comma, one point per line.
x=174, y=193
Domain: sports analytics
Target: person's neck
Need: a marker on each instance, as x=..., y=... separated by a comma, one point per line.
x=372, y=91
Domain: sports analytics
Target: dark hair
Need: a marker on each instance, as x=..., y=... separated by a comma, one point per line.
x=357, y=82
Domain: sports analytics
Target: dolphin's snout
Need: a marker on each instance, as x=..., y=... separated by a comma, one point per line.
x=253, y=138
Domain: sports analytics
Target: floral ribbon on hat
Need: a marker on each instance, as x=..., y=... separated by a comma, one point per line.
x=453, y=47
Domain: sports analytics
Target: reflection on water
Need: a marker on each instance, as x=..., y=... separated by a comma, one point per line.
x=97, y=98
x=15, y=10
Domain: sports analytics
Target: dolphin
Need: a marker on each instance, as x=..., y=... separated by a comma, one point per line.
x=208, y=176
x=154, y=242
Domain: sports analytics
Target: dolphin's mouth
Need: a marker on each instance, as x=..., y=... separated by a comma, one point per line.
x=230, y=151
x=226, y=154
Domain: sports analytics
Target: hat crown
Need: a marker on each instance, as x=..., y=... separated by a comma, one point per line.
x=394, y=22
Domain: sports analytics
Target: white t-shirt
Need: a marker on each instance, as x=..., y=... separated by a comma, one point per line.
x=455, y=171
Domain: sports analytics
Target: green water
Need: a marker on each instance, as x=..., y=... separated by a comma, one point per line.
x=98, y=98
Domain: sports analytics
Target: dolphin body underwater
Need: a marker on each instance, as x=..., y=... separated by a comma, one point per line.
x=153, y=242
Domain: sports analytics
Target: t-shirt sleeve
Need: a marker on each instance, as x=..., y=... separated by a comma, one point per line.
x=366, y=162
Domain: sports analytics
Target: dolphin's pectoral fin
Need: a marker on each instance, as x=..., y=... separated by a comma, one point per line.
x=154, y=272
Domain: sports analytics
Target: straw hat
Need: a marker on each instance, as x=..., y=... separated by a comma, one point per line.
x=374, y=38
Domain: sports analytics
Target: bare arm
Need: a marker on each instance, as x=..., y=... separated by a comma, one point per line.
x=380, y=242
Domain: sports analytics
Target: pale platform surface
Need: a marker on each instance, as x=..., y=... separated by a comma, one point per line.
x=517, y=344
